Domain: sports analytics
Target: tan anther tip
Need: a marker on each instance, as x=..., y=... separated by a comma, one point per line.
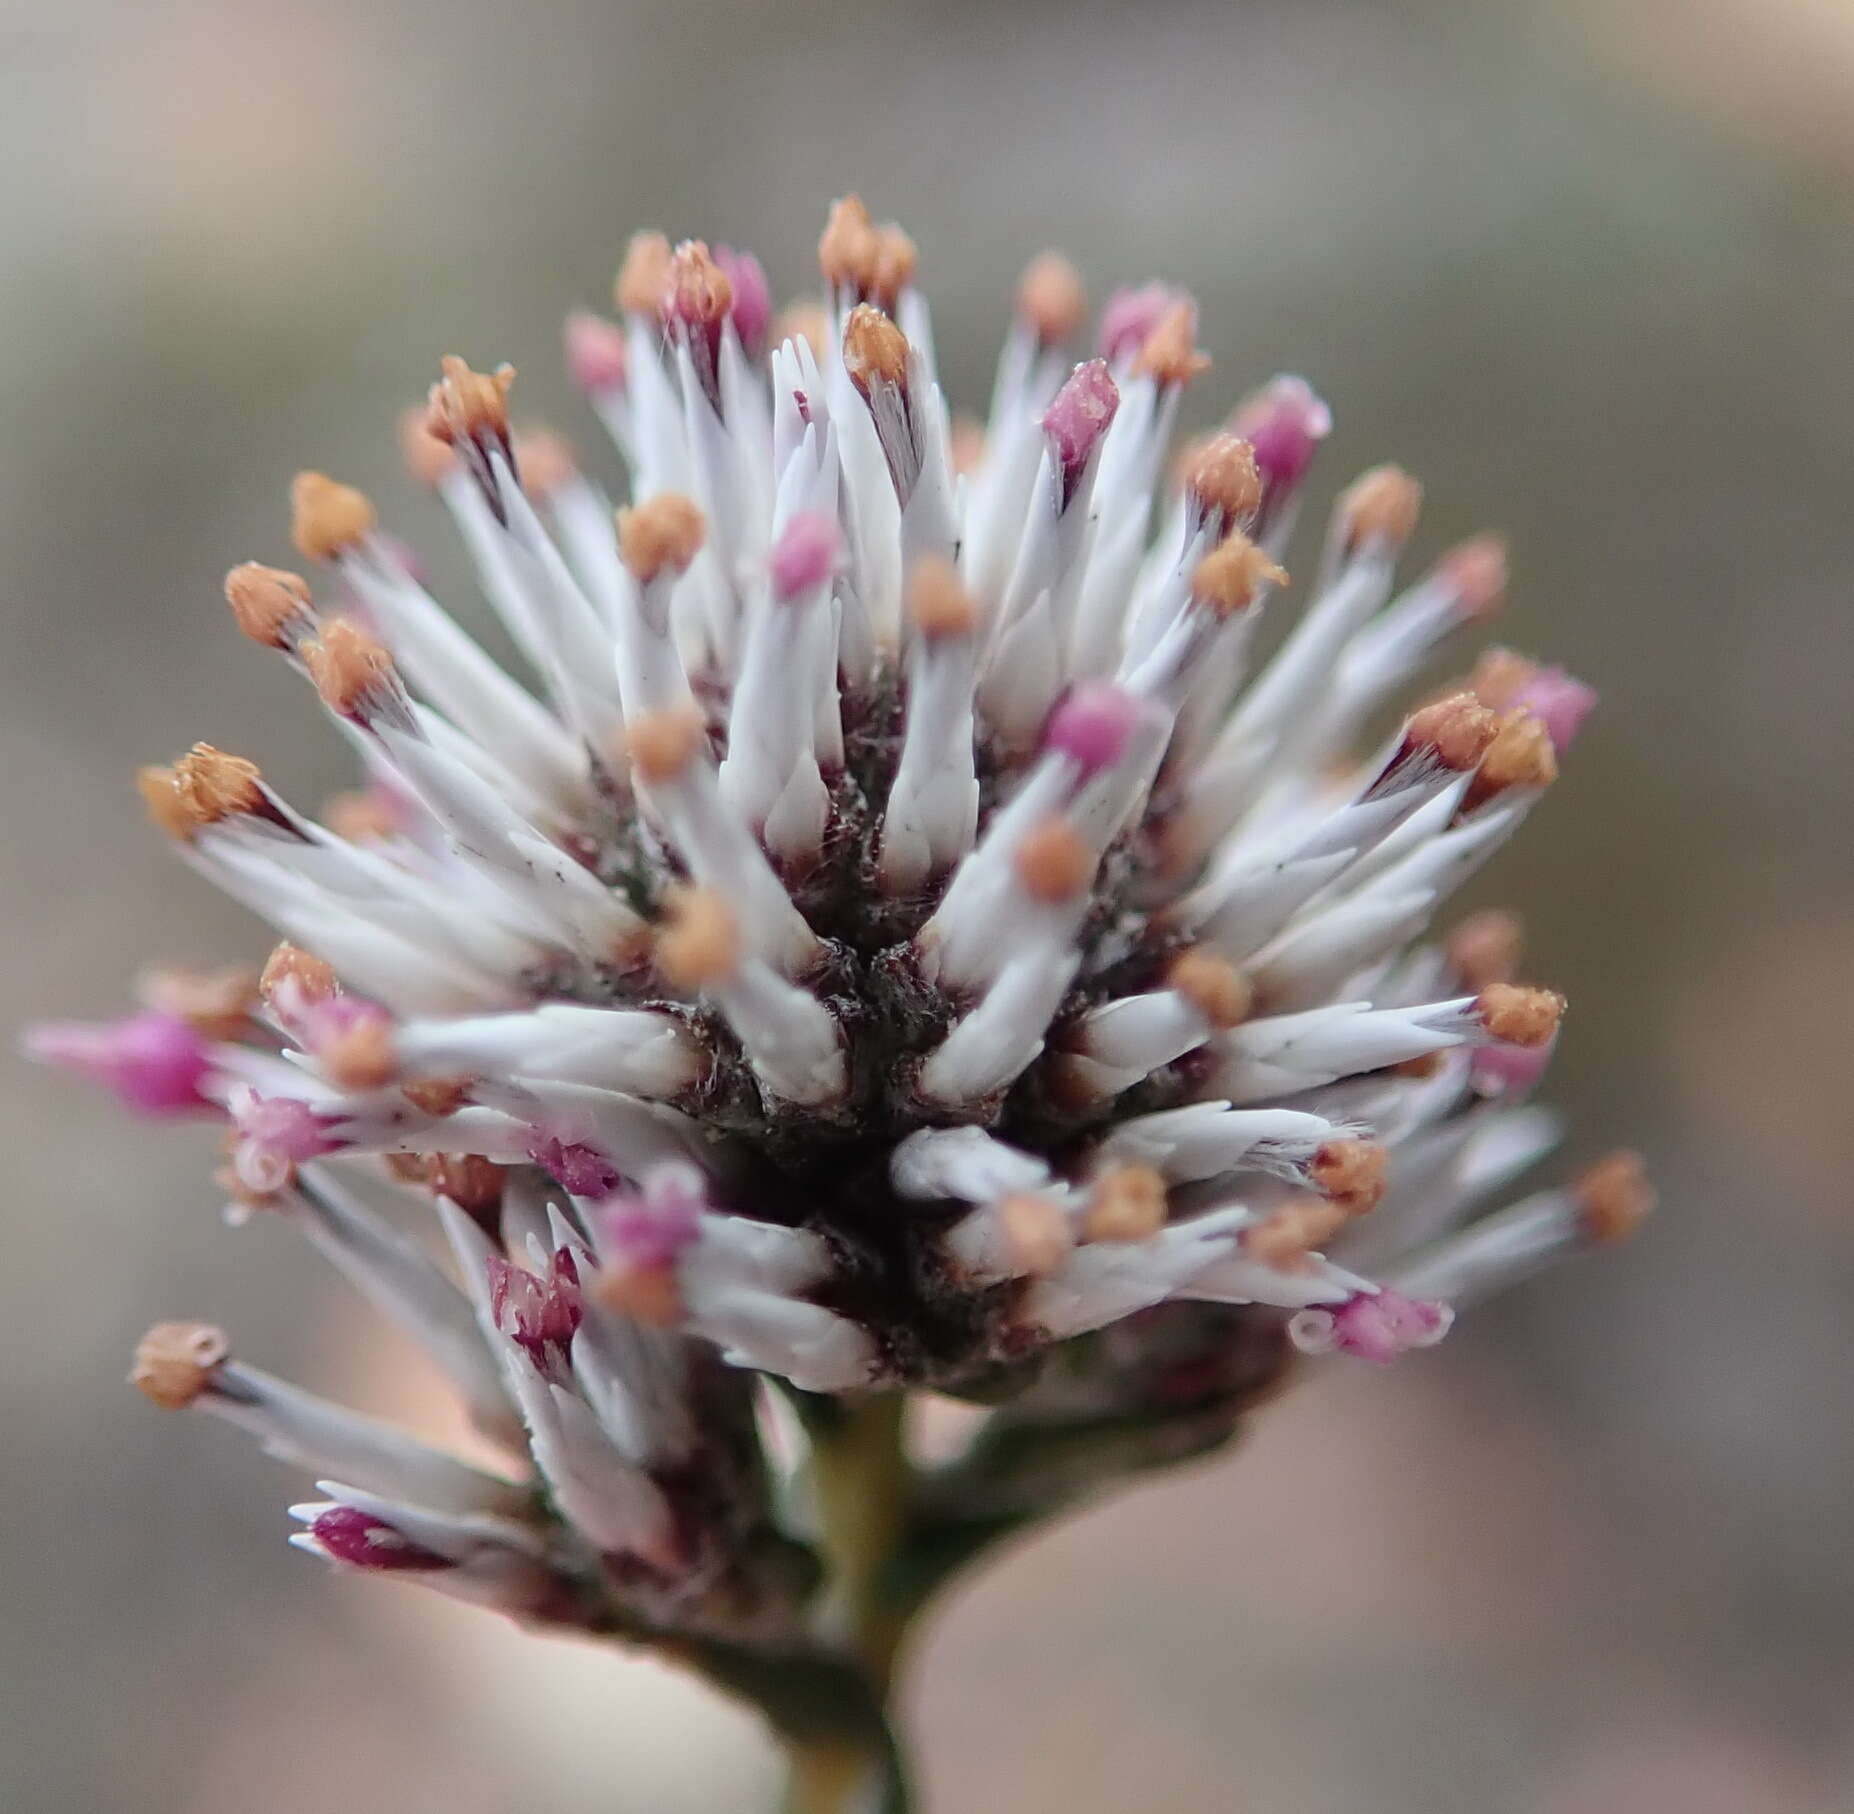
x=896, y=258
x=1350, y=1174
x=1477, y=570
x=216, y=1003
x=645, y=1294
x=468, y=405
x=1499, y=676
x=663, y=531
x=1520, y=754
x=1287, y=1236
x=159, y=788
x=1459, y=729
x=360, y=1057
x=1170, y=352
x=639, y=286
x=545, y=462
x=213, y=786
x=1380, y=506
x=428, y=457
x=847, y=247
x=266, y=601
x=1230, y=576
x=1220, y=473
x=347, y=666
x=804, y=319
x=663, y=743
x=174, y=1362
x=1212, y=985
x=1485, y=948
x=1051, y=297
x=1518, y=1015
x=938, y=601
x=1052, y=862
x=695, y=288
x=1127, y=1203
x=875, y=351
x=307, y=976
x=327, y=517
x=438, y=1095
x=1614, y=1197
x=361, y=815
x=472, y=1182
x=699, y=944
x=1036, y=1232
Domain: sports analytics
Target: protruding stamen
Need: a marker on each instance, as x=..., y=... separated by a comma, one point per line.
x=1485, y=948
x=1232, y=575
x=875, y=350
x=157, y=1063
x=597, y=353
x=1223, y=485
x=1517, y=1015
x=326, y=518
x=665, y=531
x=1350, y=1174
x=1284, y=423
x=175, y=1362
x=1052, y=862
x=1378, y=508
x=1212, y=985
x=639, y=286
x=1051, y=298
x=751, y=309
x=699, y=944
x=663, y=743
x=1170, y=354
x=1476, y=571
x=270, y=605
x=354, y=674
x=1614, y=1196
x=213, y=786
x=1077, y=420
x=1126, y=1203
x=429, y=458
x=1092, y=725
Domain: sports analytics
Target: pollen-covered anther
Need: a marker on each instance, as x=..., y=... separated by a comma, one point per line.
x=298, y=977
x=1459, y=729
x=467, y=406
x=1052, y=862
x=350, y=670
x=938, y=601
x=639, y=286
x=1221, y=478
x=1350, y=1174
x=473, y=1183
x=1519, y=754
x=359, y=1055
x=1212, y=985
x=1476, y=570
x=362, y=815
x=159, y=788
x=696, y=291
x=1286, y=1237
x=665, y=531
x=875, y=350
x=1051, y=298
x=896, y=257
x=437, y=1095
x=1499, y=676
x=645, y=1293
x=1614, y=1197
x=1037, y=1232
x=545, y=462
x=1127, y=1203
x=174, y=1362
x=1170, y=353
x=847, y=248
x=1379, y=508
x=213, y=786
x=1231, y=576
x=216, y=1003
x=268, y=603
x=327, y=518
x=699, y=944
x=1519, y=1015
x=663, y=743
x=1485, y=948
x=428, y=457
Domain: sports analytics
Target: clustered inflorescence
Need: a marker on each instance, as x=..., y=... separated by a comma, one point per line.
x=902, y=940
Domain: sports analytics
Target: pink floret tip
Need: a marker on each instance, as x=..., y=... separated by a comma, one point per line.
x=596, y=353
x=363, y=1541
x=1092, y=724
x=1284, y=424
x=1561, y=701
x=651, y=1227
x=575, y=1167
x=155, y=1062
x=1081, y=414
x=1130, y=315
x=805, y=555
x=1376, y=1326
x=752, y=308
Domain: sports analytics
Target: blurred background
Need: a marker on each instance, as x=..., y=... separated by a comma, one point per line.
x=1584, y=265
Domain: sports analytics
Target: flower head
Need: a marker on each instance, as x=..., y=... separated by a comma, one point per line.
x=894, y=933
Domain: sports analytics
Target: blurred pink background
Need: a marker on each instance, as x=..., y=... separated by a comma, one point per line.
x=1586, y=268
